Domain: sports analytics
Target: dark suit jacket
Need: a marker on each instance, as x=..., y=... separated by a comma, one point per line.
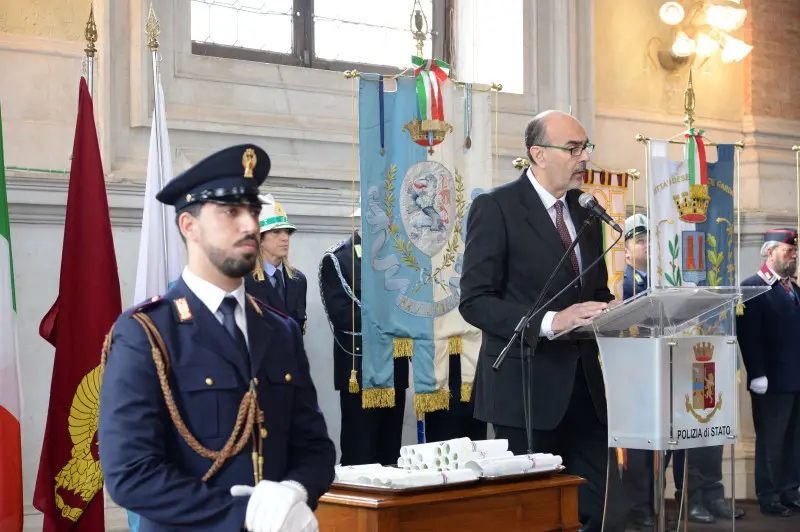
x=769, y=337
x=295, y=304
x=150, y=469
x=511, y=249
x=342, y=311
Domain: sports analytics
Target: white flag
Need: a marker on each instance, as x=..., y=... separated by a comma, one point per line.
x=153, y=273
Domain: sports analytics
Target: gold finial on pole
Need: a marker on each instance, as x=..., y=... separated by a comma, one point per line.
x=688, y=103
x=152, y=29
x=91, y=34
x=419, y=27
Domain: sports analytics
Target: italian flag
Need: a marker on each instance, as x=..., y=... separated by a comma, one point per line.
x=10, y=436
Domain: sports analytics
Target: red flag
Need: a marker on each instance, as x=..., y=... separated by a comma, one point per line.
x=69, y=487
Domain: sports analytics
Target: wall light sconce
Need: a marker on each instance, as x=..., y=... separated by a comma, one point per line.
x=700, y=28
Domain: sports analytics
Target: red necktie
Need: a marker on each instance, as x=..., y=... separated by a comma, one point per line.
x=789, y=290
x=563, y=232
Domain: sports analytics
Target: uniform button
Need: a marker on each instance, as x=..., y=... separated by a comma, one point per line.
x=263, y=434
x=154, y=299
x=358, y=349
x=288, y=377
x=209, y=381
x=255, y=380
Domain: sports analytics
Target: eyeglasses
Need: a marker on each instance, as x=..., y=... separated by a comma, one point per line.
x=575, y=151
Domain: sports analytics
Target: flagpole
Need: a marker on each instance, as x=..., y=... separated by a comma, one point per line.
x=91, y=37
x=152, y=30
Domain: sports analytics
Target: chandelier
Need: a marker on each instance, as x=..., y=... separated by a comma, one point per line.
x=701, y=28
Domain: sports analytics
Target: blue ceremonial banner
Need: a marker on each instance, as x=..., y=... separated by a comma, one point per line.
x=397, y=302
x=718, y=260
x=418, y=179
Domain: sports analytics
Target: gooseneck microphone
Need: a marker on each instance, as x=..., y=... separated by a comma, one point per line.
x=587, y=201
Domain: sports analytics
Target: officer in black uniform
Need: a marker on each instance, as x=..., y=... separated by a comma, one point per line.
x=368, y=435
x=208, y=416
x=769, y=337
x=274, y=280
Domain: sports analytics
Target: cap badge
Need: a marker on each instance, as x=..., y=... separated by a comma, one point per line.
x=279, y=210
x=249, y=162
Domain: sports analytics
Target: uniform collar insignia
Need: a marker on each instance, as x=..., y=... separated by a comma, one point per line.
x=182, y=307
x=767, y=276
x=358, y=250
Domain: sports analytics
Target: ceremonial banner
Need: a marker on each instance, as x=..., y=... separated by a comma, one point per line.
x=10, y=403
x=610, y=189
x=69, y=486
x=691, y=218
x=416, y=188
x=152, y=277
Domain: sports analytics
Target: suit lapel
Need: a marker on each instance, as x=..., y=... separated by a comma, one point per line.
x=207, y=331
x=259, y=335
x=539, y=219
x=272, y=294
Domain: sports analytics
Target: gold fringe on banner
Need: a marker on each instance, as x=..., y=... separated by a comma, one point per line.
x=352, y=386
x=403, y=347
x=431, y=402
x=377, y=398
x=466, y=391
x=454, y=345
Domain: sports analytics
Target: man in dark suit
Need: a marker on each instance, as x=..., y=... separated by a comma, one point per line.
x=274, y=280
x=517, y=234
x=373, y=435
x=208, y=416
x=769, y=338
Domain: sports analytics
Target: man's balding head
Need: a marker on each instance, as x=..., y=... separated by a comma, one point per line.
x=548, y=137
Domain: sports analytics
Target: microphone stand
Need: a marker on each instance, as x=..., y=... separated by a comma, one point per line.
x=531, y=311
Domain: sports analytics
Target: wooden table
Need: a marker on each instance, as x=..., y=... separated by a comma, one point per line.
x=529, y=505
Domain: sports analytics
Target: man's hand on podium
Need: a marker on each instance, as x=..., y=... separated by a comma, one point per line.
x=759, y=385
x=613, y=303
x=577, y=315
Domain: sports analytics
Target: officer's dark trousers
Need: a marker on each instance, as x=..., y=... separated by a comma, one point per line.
x=704, y=484
x=371, y=435
x=458, y=420
x=776, y=418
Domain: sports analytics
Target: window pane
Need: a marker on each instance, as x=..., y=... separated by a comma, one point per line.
x=368, y=31
x=491, y=55
x=257, y=24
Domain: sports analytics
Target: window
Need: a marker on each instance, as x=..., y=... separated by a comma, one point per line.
x=486, y=55
x=368, y=35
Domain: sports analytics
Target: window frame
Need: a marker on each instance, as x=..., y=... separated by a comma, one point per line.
x=303, y=42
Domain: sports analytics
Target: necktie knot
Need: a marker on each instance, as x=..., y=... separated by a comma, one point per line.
x=228, y=306
x=559, y=207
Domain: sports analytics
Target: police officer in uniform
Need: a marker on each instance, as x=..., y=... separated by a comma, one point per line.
x=769, y=338
x=208, y=416
x=367, y=435
x=274, y=280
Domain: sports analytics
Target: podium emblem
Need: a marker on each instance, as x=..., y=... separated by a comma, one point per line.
x=704, y=395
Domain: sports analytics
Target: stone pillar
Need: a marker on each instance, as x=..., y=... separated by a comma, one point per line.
x=771, y=110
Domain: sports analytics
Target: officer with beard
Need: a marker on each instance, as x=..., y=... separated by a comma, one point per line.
x=208, y=416
x=769, y=336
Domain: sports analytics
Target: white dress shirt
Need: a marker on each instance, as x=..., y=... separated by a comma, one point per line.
x=549, y=202
x=213, y=295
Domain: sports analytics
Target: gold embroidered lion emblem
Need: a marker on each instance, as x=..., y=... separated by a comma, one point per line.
x=81, y=477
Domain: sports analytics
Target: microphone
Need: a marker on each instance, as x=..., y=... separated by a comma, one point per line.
x=587, y=201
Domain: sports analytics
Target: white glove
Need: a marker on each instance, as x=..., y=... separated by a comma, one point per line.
x=269, y=504
x=300, y=519
x=759, y=385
